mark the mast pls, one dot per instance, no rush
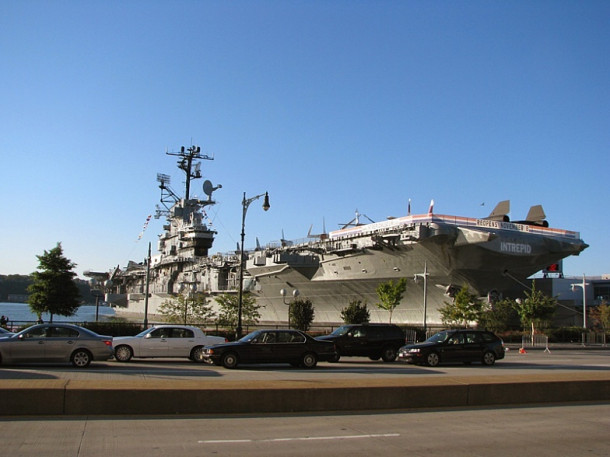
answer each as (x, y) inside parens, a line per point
(186, 165)
(192, 170)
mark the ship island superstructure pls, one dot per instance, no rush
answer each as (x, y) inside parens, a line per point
(438, 254)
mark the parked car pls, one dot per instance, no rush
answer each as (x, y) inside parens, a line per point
(272, 346)
(50, 343)
(165, 341)
(463, 345)
(367, 340)
(4, 332)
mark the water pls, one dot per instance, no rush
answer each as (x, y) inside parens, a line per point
(20, 313)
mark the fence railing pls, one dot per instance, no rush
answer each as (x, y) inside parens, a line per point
(536, 340)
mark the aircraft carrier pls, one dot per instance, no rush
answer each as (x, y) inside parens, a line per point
(437, 253)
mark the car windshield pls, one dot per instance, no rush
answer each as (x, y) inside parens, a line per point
(438, 337)
(341, 330)
(145, 332)
(250, 336)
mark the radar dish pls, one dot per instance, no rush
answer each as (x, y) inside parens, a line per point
(208, 188)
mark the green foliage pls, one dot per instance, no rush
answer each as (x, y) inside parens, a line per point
(228, 305)
(301, 314)
(601, 316)
(53, 289)
(390, 294)
(497, 317)
(115, 328)
(181, 310)
(356, 313)
(13, 285)
(465, 308)
(536, 309)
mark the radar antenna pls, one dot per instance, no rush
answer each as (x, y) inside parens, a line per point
(168, 196)
(187, 156)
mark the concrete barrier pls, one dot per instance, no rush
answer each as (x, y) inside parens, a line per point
(67, 397)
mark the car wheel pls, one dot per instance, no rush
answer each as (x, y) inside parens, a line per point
(489, 358)
(309, 360)
(197, 354)
(81, 358)
(229, 360)
(123, 353)
(389, 354)
(432, 359)
(335, 358)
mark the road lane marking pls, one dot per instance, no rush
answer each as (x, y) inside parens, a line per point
(303, 438)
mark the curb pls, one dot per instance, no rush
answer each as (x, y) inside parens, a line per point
(75, 398)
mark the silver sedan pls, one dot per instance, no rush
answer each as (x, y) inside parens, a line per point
(55, 343)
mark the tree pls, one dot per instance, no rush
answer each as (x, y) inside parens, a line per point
(301, 314)
(390, 294)
(536, 309)
(187, 310)
(601, 316)
(228, 305)
(53, 289)
(497, 316)
(356, 313)
(465, 308)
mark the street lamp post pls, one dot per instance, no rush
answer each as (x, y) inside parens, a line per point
(424, 275)
(583, 285)
(295, 294)
(245, 204)
(147, 288)
(96, 293)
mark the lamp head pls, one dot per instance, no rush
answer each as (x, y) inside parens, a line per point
(266, 204)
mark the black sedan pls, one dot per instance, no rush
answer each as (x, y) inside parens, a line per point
(272, 346)
(463, 345)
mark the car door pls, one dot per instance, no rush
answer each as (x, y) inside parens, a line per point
(289, 347)
(180, 341)
(29, 346)
(261, 349)
(155, 343)
(60, 343)
(355, 342)
(453, 351)
(473, 346)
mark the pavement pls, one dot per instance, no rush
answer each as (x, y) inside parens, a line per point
(105, 393)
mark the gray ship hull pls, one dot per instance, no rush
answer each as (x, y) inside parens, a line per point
(493, 260)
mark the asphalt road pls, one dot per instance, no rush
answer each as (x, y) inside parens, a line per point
(574, 430)
(533, 362)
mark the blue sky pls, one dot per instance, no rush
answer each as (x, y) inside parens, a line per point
(330, 106)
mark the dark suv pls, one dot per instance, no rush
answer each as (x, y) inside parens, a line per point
(458, 345)
(369, 340)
